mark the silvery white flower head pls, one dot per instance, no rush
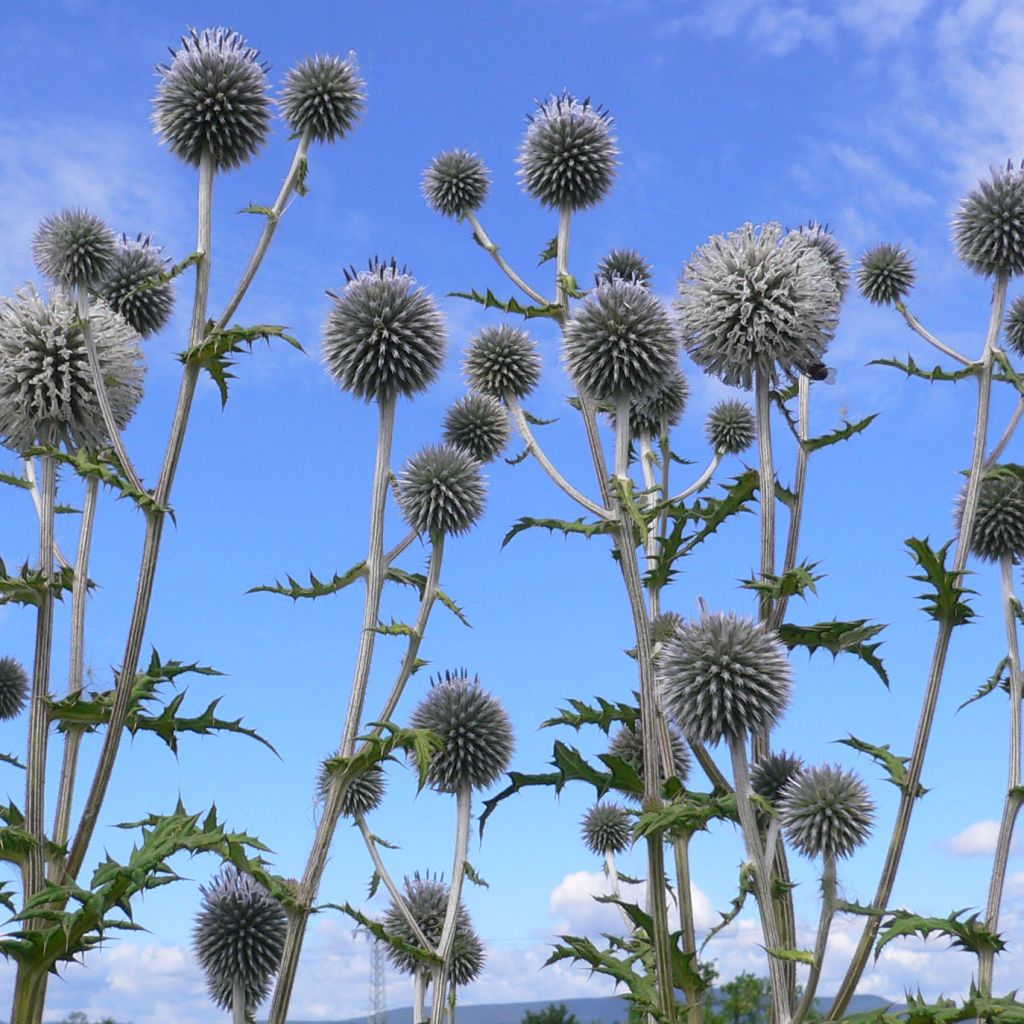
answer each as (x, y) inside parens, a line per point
(323, 95)
(730, 427)
(757, 300)
(1014, 326)
(606, 828)
(569, 154)
(479, 425)
(441, 491)
(474, 727)
(826, 811)
(14, 684)
(384, 335)
(625, 264)
(824, 243)
(622, 341)
(212, 97)
(455, 183)
(989, 225)
(886, 274)
(999, 519)
(628, 743)
(46, 387)
(427, 900)
(502, 361)
(133, 287)
(364, 793)
(239, 935)
(73, 249)
(723, 676)
(653, 412)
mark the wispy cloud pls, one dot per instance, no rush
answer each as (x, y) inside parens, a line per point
(978, 838)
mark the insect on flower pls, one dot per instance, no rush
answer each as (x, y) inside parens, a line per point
(819, 372)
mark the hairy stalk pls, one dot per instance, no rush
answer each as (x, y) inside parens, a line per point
(915, 325)
(908, 794)
(828, 909)
(1008, 433)
(485, 241)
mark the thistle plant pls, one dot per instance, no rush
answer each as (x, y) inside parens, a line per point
(478, 425)
(134, 285)
(14, 683)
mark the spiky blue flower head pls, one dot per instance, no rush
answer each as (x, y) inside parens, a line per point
(132, 285)
(455, 183)
(606, 828)
(826, 811)
(771, 775)
(13, 688)
(474, 727)
(364, 793)
(384, 335)
(239, 935)
(427, 900)
(988, 227)
(652, 413)
(569, 154)
(46, 387)
(999, 519)
(626, 265)
(212, 97)
(730, 426)
(441, 490)
(73, 248)
(1014, 326)
(824, 242)
(478, 424)
(502, 361)
(886, 274)
(628, 743)
(757, 300)
(723, 676)
(323, 95)
(621, 341)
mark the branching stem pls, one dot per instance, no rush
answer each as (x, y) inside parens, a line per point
(915, 325)
(828, 909)
(484, 239)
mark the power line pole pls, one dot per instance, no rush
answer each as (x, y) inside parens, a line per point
(378, 995)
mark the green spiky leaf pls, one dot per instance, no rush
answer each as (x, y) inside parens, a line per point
(844, 433)
(490, 301)
(577, 526)
(946, 601)
(964, 933)
(894, 765)
(792, 583)
(849, 637)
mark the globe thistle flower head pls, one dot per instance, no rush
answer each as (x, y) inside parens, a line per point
(212, 98)
(132, 285)
(653, 412)
(625, 265)
(384, 335)
(46, 387)
(826, 811)
(364, 793)
(479, 425)
(824, 242)
(730, 427)
(474, 727)
(455, 183)
(628, 743)
(502, 361)
(239, 935)
(606, 828)
(999, 519)
(621, 341)
(723, 676)
(323, 95)
(770, 776)
(886, 274)
(1014, 326)
(665, 626)
(569, 154)
(757, 300)
(73, 249)
(13, 688)
(441, 490)
(988, 227)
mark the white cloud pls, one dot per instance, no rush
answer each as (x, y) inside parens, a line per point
(978, 838)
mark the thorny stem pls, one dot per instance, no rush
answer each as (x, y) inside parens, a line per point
(915, 325)
(1008, 433)
(485, 241)
(908, 794)
(828, 909)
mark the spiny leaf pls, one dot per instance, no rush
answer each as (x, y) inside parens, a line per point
(380, 745)
(968, 934)
(30, 585)
(895, 766)
(798, 956)
(1000, 678)
(605, 715)
(11, 759)
(911, 369)
(473, 876)
(264, 211)
(746, 888)
(16, 481)
(850, 637)
(301, 173)
(419, 581)
(395, 628)
(812, 444)
(491, 301)
(379, 932)
(316, 588)
(947, 603)
(549, 252)
(577, 526)
(792, 583)
(686, 814)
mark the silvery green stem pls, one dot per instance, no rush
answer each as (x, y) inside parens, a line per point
(771, 841)
(710, 769)
(523, 426)
(684, 895)
(828, 909)
(1008, 433)
(237, 1002)
(915, 325)
(391, 555)
(30, 474)
(766, 485)
(483, 238)
(908, 794)
(700, 483)
(651, 498)
(419, 997)
(562, 258)
(1011, 806)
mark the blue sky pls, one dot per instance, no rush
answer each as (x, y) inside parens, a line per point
(869, 115)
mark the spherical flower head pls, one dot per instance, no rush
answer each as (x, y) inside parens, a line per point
(665, 626)
(621, 342)
(479, 425)
(427, 900)
(324, 96)
(475, 729)
(730, 427)
(569, 154)
(823, 241)
(502, 361)
(606, 828)
(999, 519)
(723, 676)
(46, 387)
(653, 412)
(384, 335)
(239, 935)
(13, 688)
(212, 98)
(73, 248)
(757, 300)
(625, 265)
(364, 793)
(455, 183)
(988, 227)
(628, 743)
(1014, 326)
(441, 491)
(886, 274)
(770, 776)
(132, 286)
(826, 811)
